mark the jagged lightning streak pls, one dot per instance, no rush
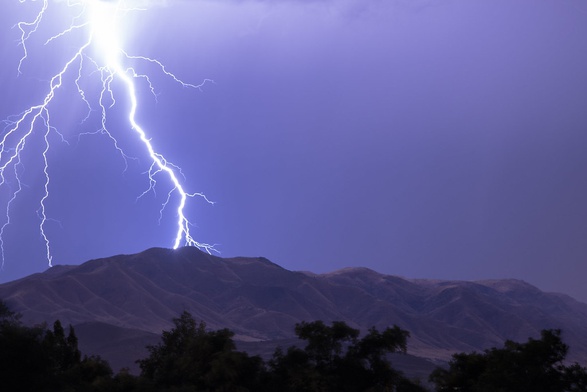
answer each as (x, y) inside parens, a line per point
(101, 19)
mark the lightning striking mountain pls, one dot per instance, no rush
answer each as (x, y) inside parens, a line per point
(95, 27)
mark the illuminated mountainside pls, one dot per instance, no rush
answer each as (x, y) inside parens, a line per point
(120, 303)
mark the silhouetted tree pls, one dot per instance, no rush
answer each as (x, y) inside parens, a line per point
(7, 315)
(190, 357)
(334, 359)
(325, 343)
(24, 364)
(39, 359)
(534, 366)
(62, 351)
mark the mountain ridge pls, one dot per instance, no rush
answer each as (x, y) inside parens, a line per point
(261, 301)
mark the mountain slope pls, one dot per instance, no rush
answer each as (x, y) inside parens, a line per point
(126, 299)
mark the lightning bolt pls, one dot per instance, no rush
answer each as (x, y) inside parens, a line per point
(99, 53)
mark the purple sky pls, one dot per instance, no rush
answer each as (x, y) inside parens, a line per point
(427, 139)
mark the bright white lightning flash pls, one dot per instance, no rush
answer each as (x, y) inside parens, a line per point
(101, 51)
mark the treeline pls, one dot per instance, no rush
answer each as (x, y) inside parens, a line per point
(192, 358)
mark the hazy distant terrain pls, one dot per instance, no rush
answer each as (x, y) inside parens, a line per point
(121, 303)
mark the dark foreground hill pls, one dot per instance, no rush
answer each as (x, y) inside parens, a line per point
(120, 304)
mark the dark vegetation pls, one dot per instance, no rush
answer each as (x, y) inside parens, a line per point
(41, 359)
(535, 366)
(191, 358)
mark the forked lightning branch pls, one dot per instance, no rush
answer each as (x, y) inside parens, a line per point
(98, 23)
